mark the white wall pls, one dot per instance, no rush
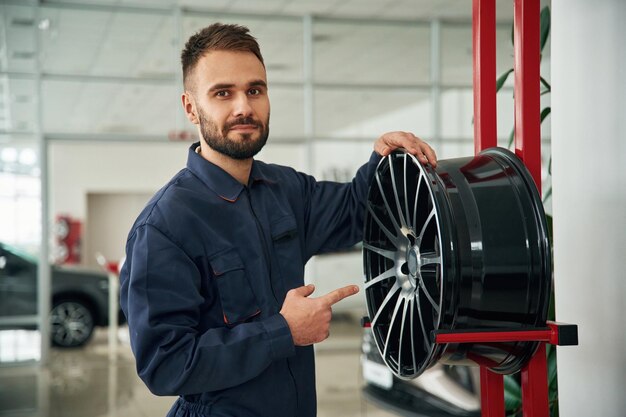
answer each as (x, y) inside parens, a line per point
(77, 169)
(589, 178)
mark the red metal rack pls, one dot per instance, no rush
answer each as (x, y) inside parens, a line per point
(534, 373)
(528, 147)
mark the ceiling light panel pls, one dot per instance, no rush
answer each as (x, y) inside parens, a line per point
(18, 52)
(134, 3)
(110, 43)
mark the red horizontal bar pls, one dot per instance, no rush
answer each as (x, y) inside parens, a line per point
(544, 335)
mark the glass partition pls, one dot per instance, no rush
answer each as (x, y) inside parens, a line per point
(20, 236)
(281, 41)
(371, 53)
(456, 53)
(102, 107)
(368, 112)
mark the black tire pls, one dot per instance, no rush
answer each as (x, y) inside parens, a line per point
(71, 323)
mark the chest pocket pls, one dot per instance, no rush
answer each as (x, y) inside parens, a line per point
(238, 300)
(284, 233)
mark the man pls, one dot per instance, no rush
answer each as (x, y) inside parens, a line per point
(213, 282)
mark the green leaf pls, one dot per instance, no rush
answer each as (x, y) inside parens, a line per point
(554, 411)
(545, 112)
(550, 165)
(545, 26)
(552, 368)
(551, 308)
(511, 138)
(512, 393)
(546, 195)
(545, 83)
(502, 79)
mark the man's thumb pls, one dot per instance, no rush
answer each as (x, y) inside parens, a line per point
(305, 290)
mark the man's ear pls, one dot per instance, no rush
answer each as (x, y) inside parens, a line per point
(189, 106)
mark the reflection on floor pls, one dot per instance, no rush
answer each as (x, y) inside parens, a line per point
(85, 383)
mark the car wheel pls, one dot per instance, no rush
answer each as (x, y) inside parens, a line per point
(71, 323)
(462, 247)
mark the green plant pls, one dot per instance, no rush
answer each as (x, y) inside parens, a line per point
(546, 88)
(512, 387)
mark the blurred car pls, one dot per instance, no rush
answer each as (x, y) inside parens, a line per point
(441, 391)
(79, 297)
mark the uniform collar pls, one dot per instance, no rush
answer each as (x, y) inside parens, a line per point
(219, 181)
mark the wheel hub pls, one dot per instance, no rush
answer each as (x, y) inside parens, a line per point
(412, 259)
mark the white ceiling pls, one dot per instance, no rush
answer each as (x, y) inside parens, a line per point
(372, 9)
(86, 41)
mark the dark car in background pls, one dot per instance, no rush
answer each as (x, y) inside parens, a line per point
(79, 297)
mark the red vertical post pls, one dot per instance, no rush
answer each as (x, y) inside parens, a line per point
(535, 385)
(527, 88)
(484, 61)
(491, 393)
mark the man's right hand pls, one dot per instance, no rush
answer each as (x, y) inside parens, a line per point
(309, 318)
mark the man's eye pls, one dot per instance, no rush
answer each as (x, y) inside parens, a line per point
(254, 91)
(222, 94)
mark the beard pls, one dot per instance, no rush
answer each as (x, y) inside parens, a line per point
(245, 148)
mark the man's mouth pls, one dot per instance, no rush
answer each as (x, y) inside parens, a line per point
(243, 125)
(244, 128)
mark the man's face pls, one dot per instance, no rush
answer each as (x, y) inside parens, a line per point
(231, 102)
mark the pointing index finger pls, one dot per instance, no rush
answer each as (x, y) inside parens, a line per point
(339, 294)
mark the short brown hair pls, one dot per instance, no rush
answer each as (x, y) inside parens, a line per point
(217, 37)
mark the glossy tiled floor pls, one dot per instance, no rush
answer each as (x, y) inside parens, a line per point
(86, 383)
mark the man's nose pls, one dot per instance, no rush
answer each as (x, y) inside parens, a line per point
(241, 106)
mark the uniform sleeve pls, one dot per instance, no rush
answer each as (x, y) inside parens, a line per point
(334, 212)
(160, 296)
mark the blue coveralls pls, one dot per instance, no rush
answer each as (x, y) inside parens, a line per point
(208, 264)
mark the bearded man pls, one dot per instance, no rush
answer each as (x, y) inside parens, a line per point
(213, 283)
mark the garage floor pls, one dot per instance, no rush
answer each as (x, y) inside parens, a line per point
(84, 383)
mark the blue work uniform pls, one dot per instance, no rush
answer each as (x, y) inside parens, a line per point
(208, 264)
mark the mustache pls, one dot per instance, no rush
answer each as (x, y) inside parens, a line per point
(243, 121)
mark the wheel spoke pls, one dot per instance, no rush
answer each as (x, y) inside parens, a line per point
(389, 296)
(392, 238)
(417, 195)
(390, 273)
(383, 252)
(429, 258)
(404, 307)
(427, 294)
(406, 196)
(387, 206)
(419, 313)
(412, 306)
(431, 215)
(392, 174)
(391, 323)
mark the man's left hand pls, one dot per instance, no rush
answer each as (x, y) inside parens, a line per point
(391, 141)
